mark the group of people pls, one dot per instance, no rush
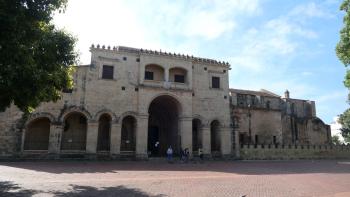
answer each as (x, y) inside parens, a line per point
(184, 154)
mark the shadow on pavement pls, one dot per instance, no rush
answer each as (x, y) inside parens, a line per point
(9, 189)
(237, 167)
(104, 191)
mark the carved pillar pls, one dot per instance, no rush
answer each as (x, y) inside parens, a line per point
(115, 138)
(206, 140)
(91, 136)
(142, 136)
(55, 136)
(186, 133)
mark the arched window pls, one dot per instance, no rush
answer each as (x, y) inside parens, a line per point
(154, 72)
(178, 75)
(104, 133)
(128, 142)
(215, 137)
(37, 135)
(74, 132)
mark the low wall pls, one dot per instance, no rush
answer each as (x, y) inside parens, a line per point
(261, 152)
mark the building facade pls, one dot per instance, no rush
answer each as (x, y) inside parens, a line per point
(136, 102)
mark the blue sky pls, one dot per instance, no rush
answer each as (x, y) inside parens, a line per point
(270, 44)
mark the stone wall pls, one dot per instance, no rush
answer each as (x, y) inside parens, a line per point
(129, 94)
(260, 152)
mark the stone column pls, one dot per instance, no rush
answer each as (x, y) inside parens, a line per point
(56, 130)
(206, 140)
(225, 138)
(115, 138)
(91, 136)
(166, 75)
(186, 133)
(142, 136)
(237, 144)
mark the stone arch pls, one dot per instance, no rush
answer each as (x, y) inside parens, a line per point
(178, 71)
(215, 140)
(201, 118)
(104, 132)
(157, 70)
(127, 113)
(75, 130)
(128, 133)
(197, 131)
(163, 124)
(34, 116)
(37, 133)
(176, 99)
(112, 115)
(75, 109)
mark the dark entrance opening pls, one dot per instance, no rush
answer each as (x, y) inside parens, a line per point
(215, 138)
(163, 126)
(74, 132)
(104, 133)
(196, 135)
(128, 134)
(37, 135)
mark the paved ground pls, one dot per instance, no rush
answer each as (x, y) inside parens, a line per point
(158, 178)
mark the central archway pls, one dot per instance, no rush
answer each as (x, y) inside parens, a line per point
(163, 125)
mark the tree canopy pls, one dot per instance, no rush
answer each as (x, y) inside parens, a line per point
(35, 57)
(343, 53)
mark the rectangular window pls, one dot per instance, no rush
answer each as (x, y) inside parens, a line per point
(179, 78)
(215, 82)
(274, 140)
(107, 72)
(148, 75)
(256, 139)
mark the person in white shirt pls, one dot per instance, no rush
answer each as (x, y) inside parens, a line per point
(169, 153)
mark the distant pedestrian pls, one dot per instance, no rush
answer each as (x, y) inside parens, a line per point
(182, 155)
(200, 154)
(169, 153)
(186, 154)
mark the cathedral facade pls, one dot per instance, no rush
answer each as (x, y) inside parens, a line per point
(136, 103)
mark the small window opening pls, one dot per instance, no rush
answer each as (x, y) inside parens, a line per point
(179, 78)
(215, 82)
(148, 75)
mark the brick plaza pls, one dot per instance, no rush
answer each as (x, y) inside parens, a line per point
(159, 178)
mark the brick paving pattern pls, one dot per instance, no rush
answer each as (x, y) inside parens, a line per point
(158, 178)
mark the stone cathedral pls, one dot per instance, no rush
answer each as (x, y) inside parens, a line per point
(127, 100)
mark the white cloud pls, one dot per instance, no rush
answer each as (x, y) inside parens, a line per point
(151, 24)
(311, 9)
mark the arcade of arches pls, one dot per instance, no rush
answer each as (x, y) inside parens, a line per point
(165, 128)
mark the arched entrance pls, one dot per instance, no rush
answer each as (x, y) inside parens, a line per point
(104, 133)
(37, 135)
(163, 125)
(128, 134)
(196, 134)
(215, 138)
(74, 132)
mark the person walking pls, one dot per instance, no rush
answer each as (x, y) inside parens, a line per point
(169, 153)
(200, 154)
(187, 155)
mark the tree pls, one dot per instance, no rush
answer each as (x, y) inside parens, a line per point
(343, 53)
(35, 57)
(344, 120)
(335, 140)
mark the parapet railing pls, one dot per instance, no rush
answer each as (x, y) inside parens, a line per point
(295, 146)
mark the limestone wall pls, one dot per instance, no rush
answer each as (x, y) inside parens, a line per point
(260, 152)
